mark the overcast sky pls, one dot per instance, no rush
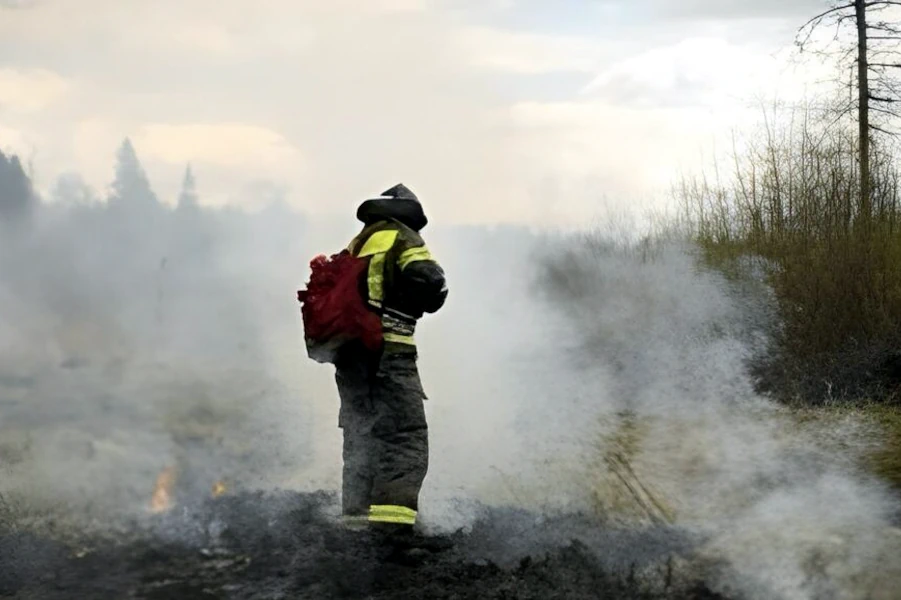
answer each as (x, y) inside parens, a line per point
(533, 111)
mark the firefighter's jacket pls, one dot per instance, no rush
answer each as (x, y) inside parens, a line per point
(403, 280)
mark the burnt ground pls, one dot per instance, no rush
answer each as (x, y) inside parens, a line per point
(288, 545)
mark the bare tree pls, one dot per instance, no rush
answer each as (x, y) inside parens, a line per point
(874, 52)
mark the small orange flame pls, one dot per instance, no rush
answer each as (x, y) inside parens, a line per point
(219, 489)
(161, 500)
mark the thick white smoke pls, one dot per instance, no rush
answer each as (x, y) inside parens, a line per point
(633, 397)
(562, 375)
(135, 338)
(576, 374)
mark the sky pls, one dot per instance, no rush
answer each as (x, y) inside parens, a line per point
(547, 112)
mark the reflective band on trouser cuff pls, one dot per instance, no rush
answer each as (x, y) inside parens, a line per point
(399, 339)
(390, 513)
(413, 255)
(355, 521)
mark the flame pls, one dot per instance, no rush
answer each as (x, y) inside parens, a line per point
(219, 489)
(161, 500)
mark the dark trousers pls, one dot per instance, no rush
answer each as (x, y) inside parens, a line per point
(386, 451)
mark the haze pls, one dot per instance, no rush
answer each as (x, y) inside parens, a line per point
(137, 338)
(522, 111)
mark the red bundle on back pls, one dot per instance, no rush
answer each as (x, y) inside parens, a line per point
(333, 309)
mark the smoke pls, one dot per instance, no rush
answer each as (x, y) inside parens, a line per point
(564, 375)
(136, 337)
(661, 346)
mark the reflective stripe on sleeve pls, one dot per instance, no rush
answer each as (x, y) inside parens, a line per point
(413, 255)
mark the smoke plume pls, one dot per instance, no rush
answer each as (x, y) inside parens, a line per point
(565, 375)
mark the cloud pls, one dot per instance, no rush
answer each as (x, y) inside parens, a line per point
(399, 5)
(529, 53)
(692, 72)
(17, 4)
(704, 72)
(30, 90)
(626, 148)
(736, 9)
(12, 140)
(334, 101)
(226, 38)
(61, 16)
(221, 144)
(205, 37)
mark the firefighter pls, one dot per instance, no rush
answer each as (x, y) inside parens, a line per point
(382, 416)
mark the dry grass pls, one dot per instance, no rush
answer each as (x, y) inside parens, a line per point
(620, 492)
(791, 196)
(887, 460)
(880, 450)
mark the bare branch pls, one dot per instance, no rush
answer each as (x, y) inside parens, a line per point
(844, 112)
(889, 85)
(881, 130)
(825, 14)
(879, 53)
(886, 111)
(878, 99)
(882, 26)
(814, 22)
(848, 109)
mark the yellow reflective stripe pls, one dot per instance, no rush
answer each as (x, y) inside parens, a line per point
(354, 520)
(399, 339)
(413, 255)
(376, 246)
(378, 243)
(376, 280)
(389, 519)
(390, 513)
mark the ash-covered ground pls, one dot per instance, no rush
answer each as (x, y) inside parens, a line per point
(289, 545)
